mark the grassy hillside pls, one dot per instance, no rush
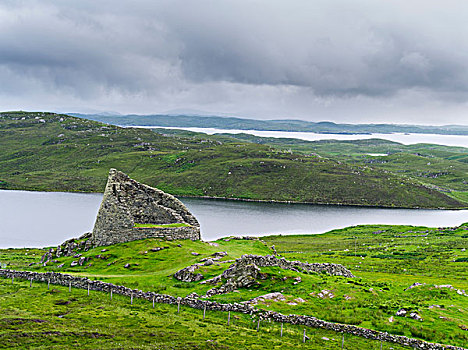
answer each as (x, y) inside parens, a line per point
(386, 260)
(42, 151)
(442, 167)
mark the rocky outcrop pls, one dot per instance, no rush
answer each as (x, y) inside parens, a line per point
(188, 274)
(236, 278)
(127, 202)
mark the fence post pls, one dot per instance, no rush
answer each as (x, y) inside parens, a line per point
(258, 324)
(69, 286)
(12, 279)
(30, 283)
(131, 299)
(342, 342)
(88, 288)
(111, 293)
(204, 311)
(178, 305)
(304, 337)
(153, 301)
(48, 284)
(281, 330)
(229, 317)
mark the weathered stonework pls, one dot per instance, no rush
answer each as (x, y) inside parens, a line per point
(127, 202)
(298, 266)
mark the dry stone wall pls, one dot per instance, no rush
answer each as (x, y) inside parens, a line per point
(194, 302)
(127, 202)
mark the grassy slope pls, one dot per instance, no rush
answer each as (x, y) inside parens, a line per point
(56, 319)
(385, 265)
(61, 153)
(444, 167)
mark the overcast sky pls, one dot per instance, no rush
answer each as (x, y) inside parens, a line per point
(340, 60)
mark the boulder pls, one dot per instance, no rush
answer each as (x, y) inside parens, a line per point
(188, 274)
(401, 312)
(415, 316)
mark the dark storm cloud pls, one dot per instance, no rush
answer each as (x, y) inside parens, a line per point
(244, 57)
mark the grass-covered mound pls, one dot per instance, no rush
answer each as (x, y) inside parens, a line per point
(146, 264)
(386, 260)
(51, 152)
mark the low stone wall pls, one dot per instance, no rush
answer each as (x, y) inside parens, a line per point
(194, 302)
(273, 261)
(169, 233)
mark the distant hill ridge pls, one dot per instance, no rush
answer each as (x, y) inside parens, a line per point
(57, 152)
(324, 127)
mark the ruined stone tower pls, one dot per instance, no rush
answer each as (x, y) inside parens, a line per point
(131, 210)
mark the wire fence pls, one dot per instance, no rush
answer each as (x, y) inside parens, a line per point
(307, 337)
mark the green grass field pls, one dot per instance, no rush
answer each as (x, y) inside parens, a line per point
(38, 318)
(385, 259)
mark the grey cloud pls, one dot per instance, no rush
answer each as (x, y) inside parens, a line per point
(243, 57)
(348, 55)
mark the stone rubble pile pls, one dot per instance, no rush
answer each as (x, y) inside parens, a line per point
(68, 248)
(244, 272)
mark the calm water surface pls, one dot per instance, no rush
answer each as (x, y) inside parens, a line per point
(36, 219)
(406, 139)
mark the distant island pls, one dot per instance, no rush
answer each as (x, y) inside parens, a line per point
(323, 127)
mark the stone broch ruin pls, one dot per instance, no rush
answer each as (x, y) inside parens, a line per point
(127, 204)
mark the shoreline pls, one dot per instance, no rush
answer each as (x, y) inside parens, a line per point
(273, 201)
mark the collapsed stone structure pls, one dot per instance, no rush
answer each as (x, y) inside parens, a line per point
(245, 270)
(127, 203)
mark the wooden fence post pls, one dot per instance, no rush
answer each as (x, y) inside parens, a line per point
(153, 301)
(30, 283)
(258, 324)
(178, 305)
(131, 299)
(281, 330)
(229, 317)
(304, 337)
(69, 286)
(204, 311)
(48, 284)
(88, 288)
(111, 294)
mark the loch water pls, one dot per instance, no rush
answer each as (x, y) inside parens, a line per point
(38, 219)
(404, 138)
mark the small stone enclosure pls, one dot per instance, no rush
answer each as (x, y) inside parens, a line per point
(128, 203)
